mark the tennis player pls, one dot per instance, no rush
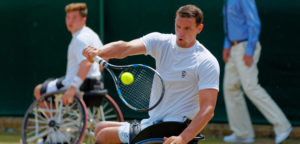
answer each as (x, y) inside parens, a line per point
(78, 68)
(190, 72)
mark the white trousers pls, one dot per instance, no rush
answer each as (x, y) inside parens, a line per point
(238, 75)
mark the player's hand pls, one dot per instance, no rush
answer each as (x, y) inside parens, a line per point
(226, 54)
(90, 52)
(248, 60)
(174, 140)
(67, 98)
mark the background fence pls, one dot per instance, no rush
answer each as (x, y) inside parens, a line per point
(34, 42)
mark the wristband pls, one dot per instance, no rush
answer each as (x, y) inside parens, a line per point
(76, 82)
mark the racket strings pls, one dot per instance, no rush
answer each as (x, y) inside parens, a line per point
(138, 93)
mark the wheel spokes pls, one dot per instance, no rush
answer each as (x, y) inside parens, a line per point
(50, 121)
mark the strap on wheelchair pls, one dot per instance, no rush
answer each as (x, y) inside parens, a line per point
(187, 121)
(135, 128)
(58, 84)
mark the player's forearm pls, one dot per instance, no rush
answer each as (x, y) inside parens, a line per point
(198, 124)
(84, 68)
(207, 103)
(122, 49)
(113, 50)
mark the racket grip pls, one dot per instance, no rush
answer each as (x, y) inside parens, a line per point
(98, 59)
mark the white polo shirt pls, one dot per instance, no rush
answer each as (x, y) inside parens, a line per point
(185, 71)
(81, 39)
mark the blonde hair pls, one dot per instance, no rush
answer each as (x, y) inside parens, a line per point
(191, 11)
(81, 7)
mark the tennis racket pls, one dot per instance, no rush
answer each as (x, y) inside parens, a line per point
(144, 93)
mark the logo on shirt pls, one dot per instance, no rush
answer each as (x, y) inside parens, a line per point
(183, 74)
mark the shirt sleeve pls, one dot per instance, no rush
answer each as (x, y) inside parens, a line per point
(209, 73)
(253, 22)
(80, 45)
(152, 43)
(227, 44)
(97, 43)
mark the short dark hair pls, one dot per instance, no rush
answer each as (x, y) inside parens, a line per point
(81, 7)
(190, 11)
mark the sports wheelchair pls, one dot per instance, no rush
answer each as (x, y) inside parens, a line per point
(154, 134)
(48, 121)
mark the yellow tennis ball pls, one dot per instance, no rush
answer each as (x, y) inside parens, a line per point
(127, 78)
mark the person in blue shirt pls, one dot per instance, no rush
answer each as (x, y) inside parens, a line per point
(241, 54)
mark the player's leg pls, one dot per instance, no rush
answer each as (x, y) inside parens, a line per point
(108, 135)
(37, 93)
(104, 124)
(48, 86)
(261, 99)
(112, 132)
(236, 108)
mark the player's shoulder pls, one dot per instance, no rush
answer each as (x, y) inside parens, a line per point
(86, 35)
(159, 36)
(205, 56)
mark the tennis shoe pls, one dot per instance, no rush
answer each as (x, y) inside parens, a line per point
(232, 139)
(282, 136)
(40, 141)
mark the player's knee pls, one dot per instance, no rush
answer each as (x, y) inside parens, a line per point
(101, 125)
(250, 88)
(37, 90)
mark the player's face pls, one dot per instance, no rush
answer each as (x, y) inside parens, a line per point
(186, 31)
(74, 21)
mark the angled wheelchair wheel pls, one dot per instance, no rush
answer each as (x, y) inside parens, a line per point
(47, 120)
(161, 140)
(103, 108)
(152, 141)
(154, 134)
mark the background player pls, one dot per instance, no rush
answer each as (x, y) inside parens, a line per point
(78, 68)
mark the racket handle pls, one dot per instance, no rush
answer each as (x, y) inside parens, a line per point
(98, 59)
